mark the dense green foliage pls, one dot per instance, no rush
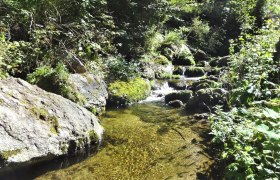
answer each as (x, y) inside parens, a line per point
(250, 130)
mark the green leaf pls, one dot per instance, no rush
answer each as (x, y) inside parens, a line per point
(269, 113)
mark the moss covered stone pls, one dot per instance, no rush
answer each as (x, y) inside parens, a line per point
(184, 57)
(124, 93)
(194, 72)
(42, 114)
(166, 75)
(93, 136)
(161, 60)
(183, 96)
(5, 155)
(56, 81)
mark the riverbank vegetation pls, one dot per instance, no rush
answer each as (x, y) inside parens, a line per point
(122, 41)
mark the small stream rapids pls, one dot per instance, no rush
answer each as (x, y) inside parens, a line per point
(162, 88)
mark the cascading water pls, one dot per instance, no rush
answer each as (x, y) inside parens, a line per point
(161, 89)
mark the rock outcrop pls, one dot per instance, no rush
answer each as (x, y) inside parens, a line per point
(36, 125)
(183, 96)
(205, 100)
(93, 89)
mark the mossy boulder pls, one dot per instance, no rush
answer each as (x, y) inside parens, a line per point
(123, 93)
(177, 84)
(203, 84)
(204, 100)
(199, 55)
(39, 126)
(183, 57)
(214, 71)
(167, 76)
(161, 60)
(179, 70)
(194, 72)
(183, 96)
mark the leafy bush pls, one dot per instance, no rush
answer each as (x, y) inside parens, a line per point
(253, 65)
(56, 81)
(251, 142)
(119, 68)
(250, 132)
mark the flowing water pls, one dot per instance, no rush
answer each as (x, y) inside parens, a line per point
(145, 141)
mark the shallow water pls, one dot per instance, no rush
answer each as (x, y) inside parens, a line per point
(144, 141)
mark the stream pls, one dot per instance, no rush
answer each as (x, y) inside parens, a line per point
(145, 141)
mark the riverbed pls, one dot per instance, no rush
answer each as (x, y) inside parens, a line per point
(145, 141)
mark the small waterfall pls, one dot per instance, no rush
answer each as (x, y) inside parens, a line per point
(184, 70)
(159, 93)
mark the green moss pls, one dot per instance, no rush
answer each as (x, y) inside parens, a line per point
(64, 149)
(184, 57)
(123, 93)
(93, 136)
(167, 76)
(5, 155)
(274, 104)
(194, 71)
(80, 142)
(72, 94)
(161, 60)
(42, 114)
(1, 101)
(93, 110)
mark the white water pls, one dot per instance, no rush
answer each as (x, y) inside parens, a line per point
(159, 93)
(162, 89)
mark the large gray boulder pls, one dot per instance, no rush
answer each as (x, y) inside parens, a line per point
(93, 89)
(36, 125)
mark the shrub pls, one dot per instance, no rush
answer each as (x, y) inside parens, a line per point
(119, 68)
(56, 81)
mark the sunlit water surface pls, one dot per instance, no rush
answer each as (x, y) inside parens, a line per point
(144, 141)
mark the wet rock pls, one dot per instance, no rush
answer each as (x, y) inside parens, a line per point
(183, 96)
(176, 103)
(148, 73)
(205, 99)
(93, 88)
(179, 70)
(36, 125)
(163, 71)
(177, 84)
(194, 72)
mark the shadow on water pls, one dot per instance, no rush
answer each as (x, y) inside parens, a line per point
(31, 171)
